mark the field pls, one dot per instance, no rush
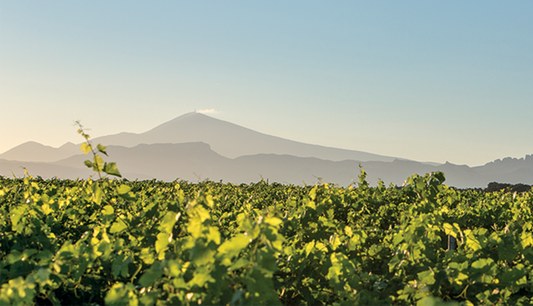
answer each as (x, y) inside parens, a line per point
(117, 242)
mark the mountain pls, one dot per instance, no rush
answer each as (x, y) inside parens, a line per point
(13, 168)
(196, 147)
(227, 139)
(34, 151)
(165, 162)
(197, 161)
(509, 170)
(231, 140)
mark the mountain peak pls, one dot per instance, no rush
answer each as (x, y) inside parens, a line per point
(227, 139)
(231, 140)
(35, 152)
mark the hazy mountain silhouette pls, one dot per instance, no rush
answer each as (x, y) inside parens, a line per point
(14, 168)
(34, 151)
(509, 170)
(196, 162)
(227, 139)
(231, 140)
(196, 147)
(161, 161)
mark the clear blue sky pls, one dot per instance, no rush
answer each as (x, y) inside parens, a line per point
(425, 80)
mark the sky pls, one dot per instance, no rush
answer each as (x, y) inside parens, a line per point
(423, 80)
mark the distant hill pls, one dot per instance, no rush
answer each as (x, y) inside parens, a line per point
(195, 147)
(197, 162)
(161, 161)
(34, 151)
(231, 140)
(11, 168)
(509, 170)
(225, 138)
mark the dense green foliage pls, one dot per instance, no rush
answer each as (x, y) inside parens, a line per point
(117, 242)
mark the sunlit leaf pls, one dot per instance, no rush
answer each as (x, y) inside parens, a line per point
(85, 148)
(118, 226)
(151, 275)
(111, 169)
(233, 246)
(102, 149)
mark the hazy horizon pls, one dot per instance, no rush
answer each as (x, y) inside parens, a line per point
(431, 81)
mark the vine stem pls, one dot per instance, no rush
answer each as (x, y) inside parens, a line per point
(88, 142)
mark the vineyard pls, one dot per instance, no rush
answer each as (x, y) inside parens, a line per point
(119, 242)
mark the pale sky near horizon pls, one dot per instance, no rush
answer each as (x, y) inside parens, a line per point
(429, 81)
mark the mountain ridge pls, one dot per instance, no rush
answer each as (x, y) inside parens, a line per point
(35, 152)
(196, 161)
(196, 146)
(232, 140)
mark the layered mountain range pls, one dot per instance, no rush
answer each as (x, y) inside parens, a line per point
(197, 147)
